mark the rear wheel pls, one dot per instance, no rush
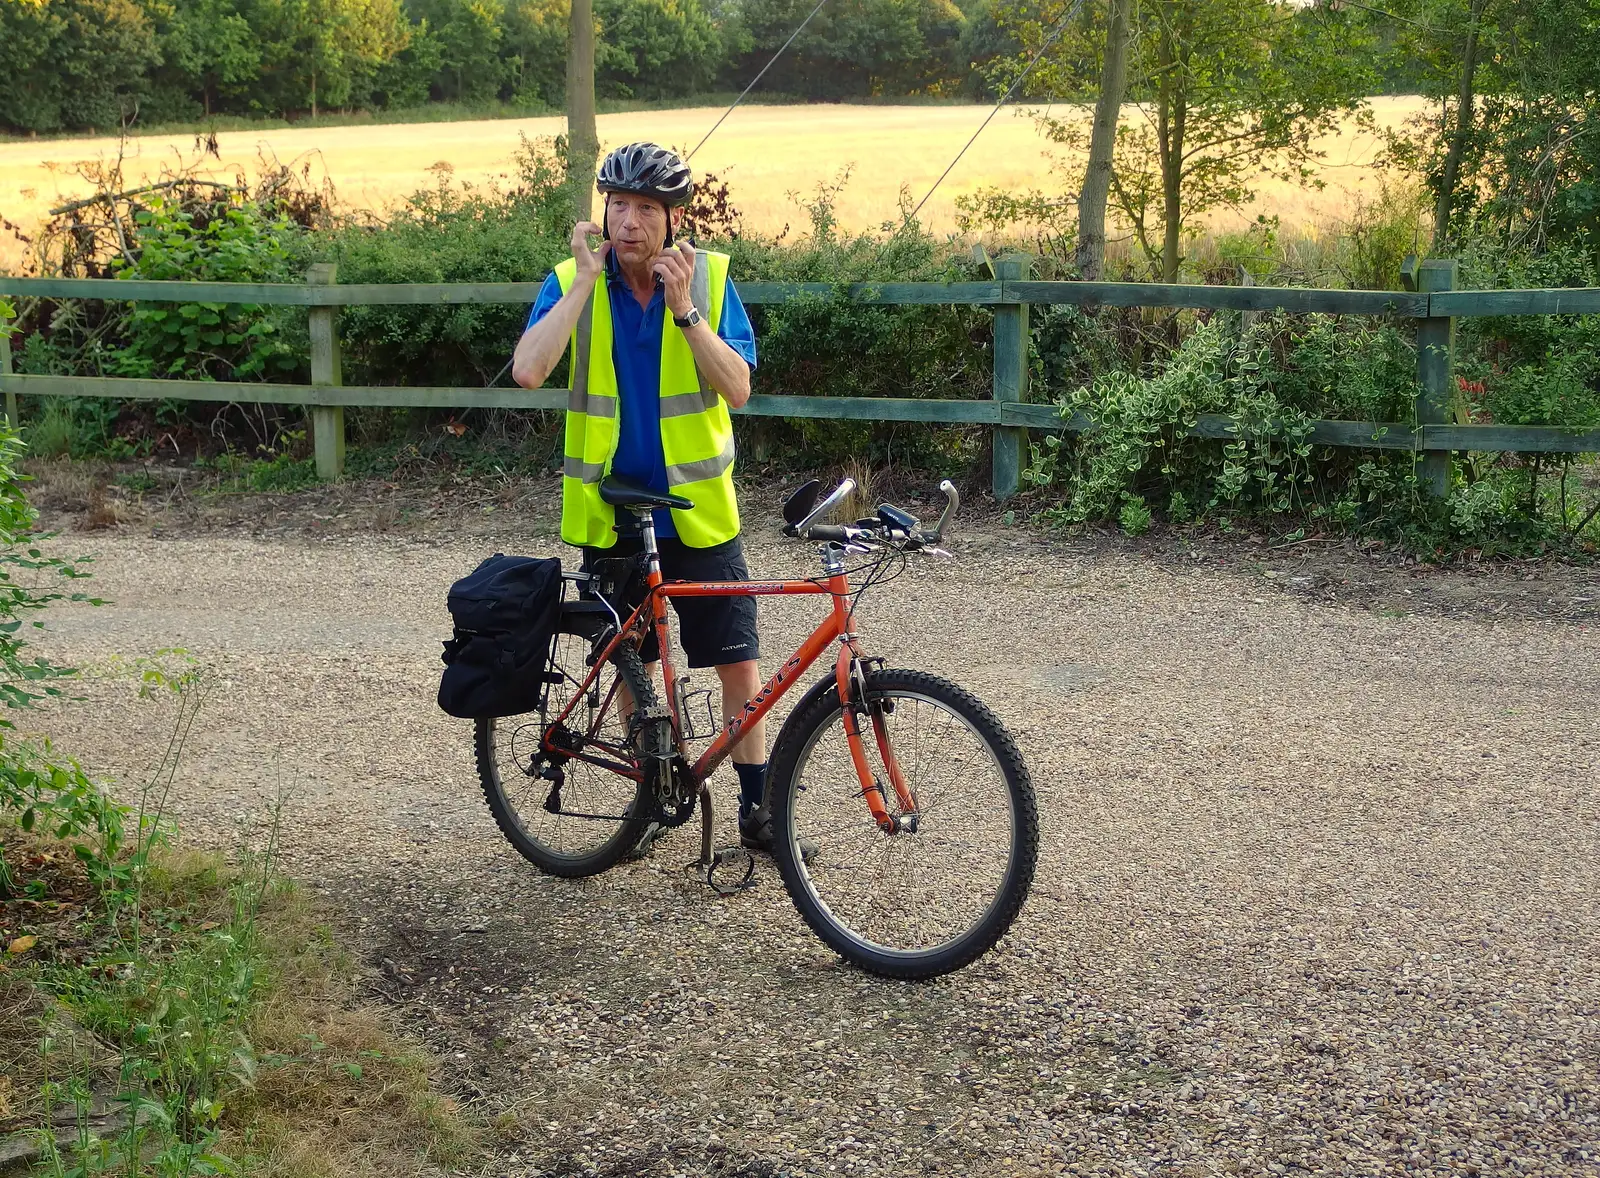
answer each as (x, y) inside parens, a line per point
(939, 892)
(566, 813)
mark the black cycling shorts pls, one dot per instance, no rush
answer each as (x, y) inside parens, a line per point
(714, 630)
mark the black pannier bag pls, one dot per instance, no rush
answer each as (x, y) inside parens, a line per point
(505, 614)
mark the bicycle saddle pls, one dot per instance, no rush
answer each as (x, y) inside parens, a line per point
(620, 492)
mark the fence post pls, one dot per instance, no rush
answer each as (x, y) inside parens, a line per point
(327, 421)
(5, 370)
(1010, 375)
(1436, 339)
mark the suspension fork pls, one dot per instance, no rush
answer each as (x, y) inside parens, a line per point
(850, 674)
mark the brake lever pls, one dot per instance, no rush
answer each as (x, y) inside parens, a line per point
(926, 543)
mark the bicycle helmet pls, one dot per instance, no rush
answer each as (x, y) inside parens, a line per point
(647, 169)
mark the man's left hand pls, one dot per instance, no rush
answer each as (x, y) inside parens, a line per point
(675, 265)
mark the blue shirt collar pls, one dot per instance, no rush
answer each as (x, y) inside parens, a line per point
(614, 278)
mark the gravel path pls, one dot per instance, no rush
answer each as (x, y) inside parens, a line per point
(1317, 888)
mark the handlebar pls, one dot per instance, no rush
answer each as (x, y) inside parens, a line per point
(891, 525)
(827, 505)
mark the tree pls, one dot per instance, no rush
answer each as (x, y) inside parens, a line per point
(466, 35)
(1097, 172)
(407, 78)
(535, 48)
(211, 48)
(855, 47)
(73, 64)
(1510, 147)
(984, 44)
(318, 53)
(1463, 128)
(583, 138)
(1227, 91)
(656, 48)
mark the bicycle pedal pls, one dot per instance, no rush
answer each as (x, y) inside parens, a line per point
(722, 875)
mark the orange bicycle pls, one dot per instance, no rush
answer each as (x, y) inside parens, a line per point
(906, 829)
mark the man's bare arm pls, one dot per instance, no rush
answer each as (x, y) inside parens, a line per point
(725, 370)
(540, 348)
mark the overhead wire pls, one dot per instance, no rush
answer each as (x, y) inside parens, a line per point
(770, 63)
(1016, 83)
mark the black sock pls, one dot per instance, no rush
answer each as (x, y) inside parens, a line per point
(752, 786)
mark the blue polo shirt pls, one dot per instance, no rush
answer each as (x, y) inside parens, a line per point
(636, 352)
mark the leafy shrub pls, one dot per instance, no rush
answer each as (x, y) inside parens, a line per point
(277, 472)
(1139, 441)
(450, 233)
(33, 785)
(206, 341)
(1532, 369)
(833, 345)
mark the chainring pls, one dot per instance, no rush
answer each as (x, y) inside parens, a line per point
(675, 802)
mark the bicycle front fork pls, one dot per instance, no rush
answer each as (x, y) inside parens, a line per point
(856, 703)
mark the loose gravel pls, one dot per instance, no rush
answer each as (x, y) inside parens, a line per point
(1317, 889)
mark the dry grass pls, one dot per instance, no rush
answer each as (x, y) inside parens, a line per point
(765, 153)
(349, 1097)
(864, 499)
(337, 1092)
(22, 1069)
(82, 491)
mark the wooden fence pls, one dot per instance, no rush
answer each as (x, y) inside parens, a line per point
(1430, 298)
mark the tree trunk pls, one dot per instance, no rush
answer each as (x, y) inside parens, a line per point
(313, 93)
(1171, 115)
(1458, 140)
(1091, 252)
(583, 139)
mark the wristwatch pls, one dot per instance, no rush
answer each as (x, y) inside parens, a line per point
(692, 319)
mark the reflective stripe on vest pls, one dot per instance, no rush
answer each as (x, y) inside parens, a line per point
(696, 430)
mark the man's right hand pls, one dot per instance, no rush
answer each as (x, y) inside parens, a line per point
(590, 262)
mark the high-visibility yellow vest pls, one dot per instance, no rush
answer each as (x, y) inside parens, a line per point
(696, 431)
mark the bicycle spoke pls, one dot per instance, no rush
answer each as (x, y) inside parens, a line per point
(593, 797)
(919, 888)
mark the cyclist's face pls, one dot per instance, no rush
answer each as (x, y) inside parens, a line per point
(638, 226)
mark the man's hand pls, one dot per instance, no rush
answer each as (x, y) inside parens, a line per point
(676, 268)
(590, 262)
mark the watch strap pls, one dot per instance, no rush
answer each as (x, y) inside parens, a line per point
(689, 320)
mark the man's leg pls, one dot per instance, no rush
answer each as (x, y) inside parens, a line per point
(740, 682)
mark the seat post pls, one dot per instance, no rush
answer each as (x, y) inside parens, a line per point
(647, 538)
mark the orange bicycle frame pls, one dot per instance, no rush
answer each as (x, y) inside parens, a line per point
(838, 625)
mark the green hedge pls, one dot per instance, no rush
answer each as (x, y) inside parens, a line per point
(1143, 375)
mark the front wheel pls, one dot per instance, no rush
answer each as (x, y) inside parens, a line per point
(940, 891)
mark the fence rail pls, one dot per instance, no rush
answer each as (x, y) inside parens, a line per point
(1430, 298)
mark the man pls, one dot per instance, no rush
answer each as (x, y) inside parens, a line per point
(655, 411)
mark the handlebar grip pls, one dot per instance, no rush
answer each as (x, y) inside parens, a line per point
(826, 532)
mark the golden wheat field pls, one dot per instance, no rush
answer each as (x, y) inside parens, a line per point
(767, 154)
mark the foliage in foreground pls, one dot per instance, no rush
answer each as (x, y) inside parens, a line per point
(224, 1032)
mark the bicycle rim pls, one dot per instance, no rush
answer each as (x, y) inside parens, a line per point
(914, 895)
